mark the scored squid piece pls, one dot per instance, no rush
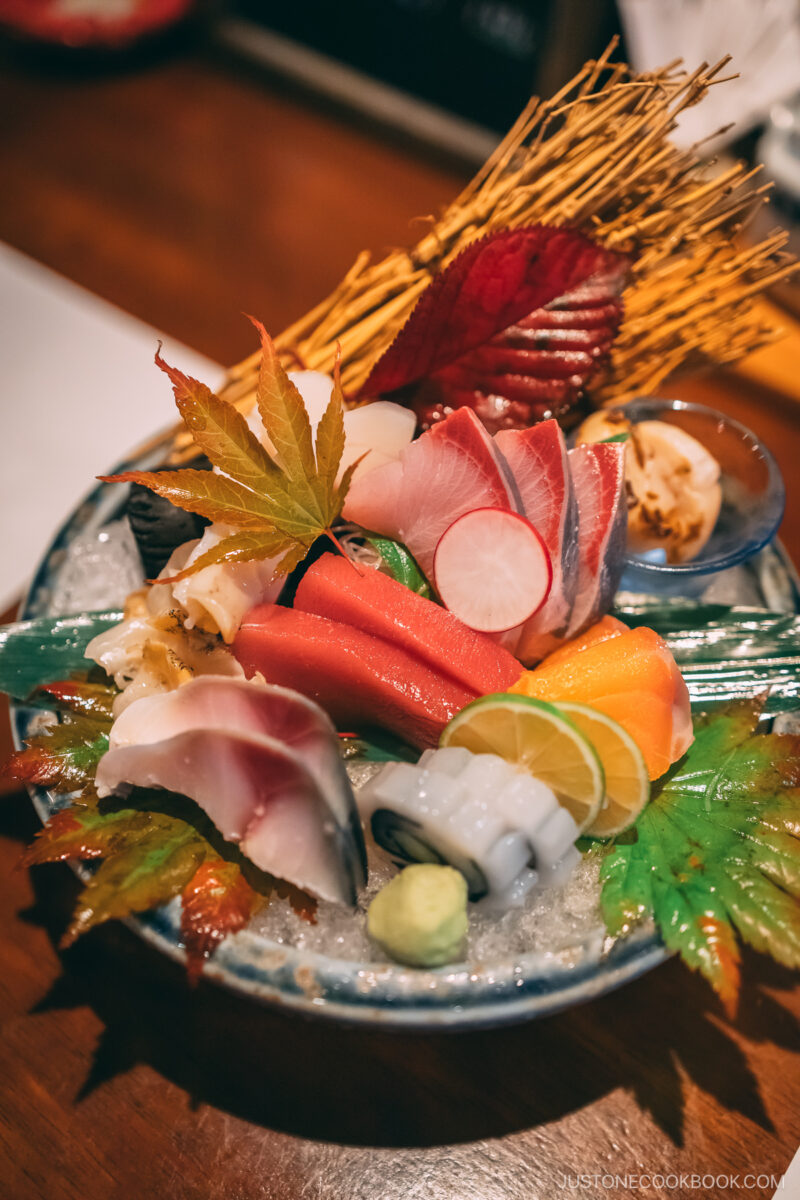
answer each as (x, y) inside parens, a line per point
(503, 829)
(262, 762)
(452, 469)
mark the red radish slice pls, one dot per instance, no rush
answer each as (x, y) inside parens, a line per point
(492, 569)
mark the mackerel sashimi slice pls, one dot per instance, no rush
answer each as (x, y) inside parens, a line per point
(598, 473)
(381, 607)
(452, 469)
(358, 679)
(537, 458)
(262, 763)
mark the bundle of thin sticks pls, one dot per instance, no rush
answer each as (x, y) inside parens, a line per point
(597, 157)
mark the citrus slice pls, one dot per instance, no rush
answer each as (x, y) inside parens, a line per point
(627, 782)
(539, 737)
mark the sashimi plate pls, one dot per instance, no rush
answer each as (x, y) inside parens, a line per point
(482, 991)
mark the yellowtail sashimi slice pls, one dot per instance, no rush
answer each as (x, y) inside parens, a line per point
(627, 781)
(540, 738)
(452, 469)
(537, 458)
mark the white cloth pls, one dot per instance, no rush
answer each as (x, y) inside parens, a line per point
(79, 390)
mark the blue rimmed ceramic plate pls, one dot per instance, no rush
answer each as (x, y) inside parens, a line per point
(378, 994)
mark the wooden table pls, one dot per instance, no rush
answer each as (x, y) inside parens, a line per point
(186, 193)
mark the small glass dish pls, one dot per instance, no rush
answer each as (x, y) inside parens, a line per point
(753, 497)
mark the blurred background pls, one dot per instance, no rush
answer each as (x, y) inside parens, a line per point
(167, 165)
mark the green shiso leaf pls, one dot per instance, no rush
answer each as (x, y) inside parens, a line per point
(727, 653)
(47, 648)
(401, 564)
(377, 745)
(717, 851)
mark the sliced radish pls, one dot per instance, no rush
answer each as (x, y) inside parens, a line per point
(492, 569)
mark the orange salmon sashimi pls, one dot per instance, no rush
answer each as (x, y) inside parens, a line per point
(630, 676)
(601, 631)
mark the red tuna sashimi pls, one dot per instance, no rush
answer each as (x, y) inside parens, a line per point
(598, 472)
(358, 679)
(452, 469)
(382, 607)
(538, 461)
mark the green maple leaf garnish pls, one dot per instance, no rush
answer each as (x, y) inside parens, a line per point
(279, 504)
(717, 851)
(64, 756)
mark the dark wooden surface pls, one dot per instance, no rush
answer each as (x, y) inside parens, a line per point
(187, 193)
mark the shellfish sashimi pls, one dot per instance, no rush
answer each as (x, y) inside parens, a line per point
(381, 607)
(452, 469)
(150, 651)
(262, 762)
(216, 598)
(537, 458)
(632, 678)
(358, 679)
(379, 431)
(598, 472)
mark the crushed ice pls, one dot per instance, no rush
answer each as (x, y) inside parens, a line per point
(100, 569)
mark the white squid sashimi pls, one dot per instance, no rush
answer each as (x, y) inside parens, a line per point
(501, 828)
(262, 762)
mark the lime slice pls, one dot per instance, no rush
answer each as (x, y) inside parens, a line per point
(540, 738)
(627, 781)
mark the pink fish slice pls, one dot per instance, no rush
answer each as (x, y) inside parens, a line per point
(452, 469)
(537, 458)
(598, 473)
(262, 762)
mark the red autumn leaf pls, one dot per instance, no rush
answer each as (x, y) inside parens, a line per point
(83, 833)
(63, 756)
(217, 901)
(80, 696)
(514, 327)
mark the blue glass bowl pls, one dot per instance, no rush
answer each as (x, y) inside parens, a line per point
(753, 497)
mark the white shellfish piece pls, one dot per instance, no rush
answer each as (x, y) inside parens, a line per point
(217, 598)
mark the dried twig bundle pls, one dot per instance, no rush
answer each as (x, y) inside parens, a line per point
(598, 157)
